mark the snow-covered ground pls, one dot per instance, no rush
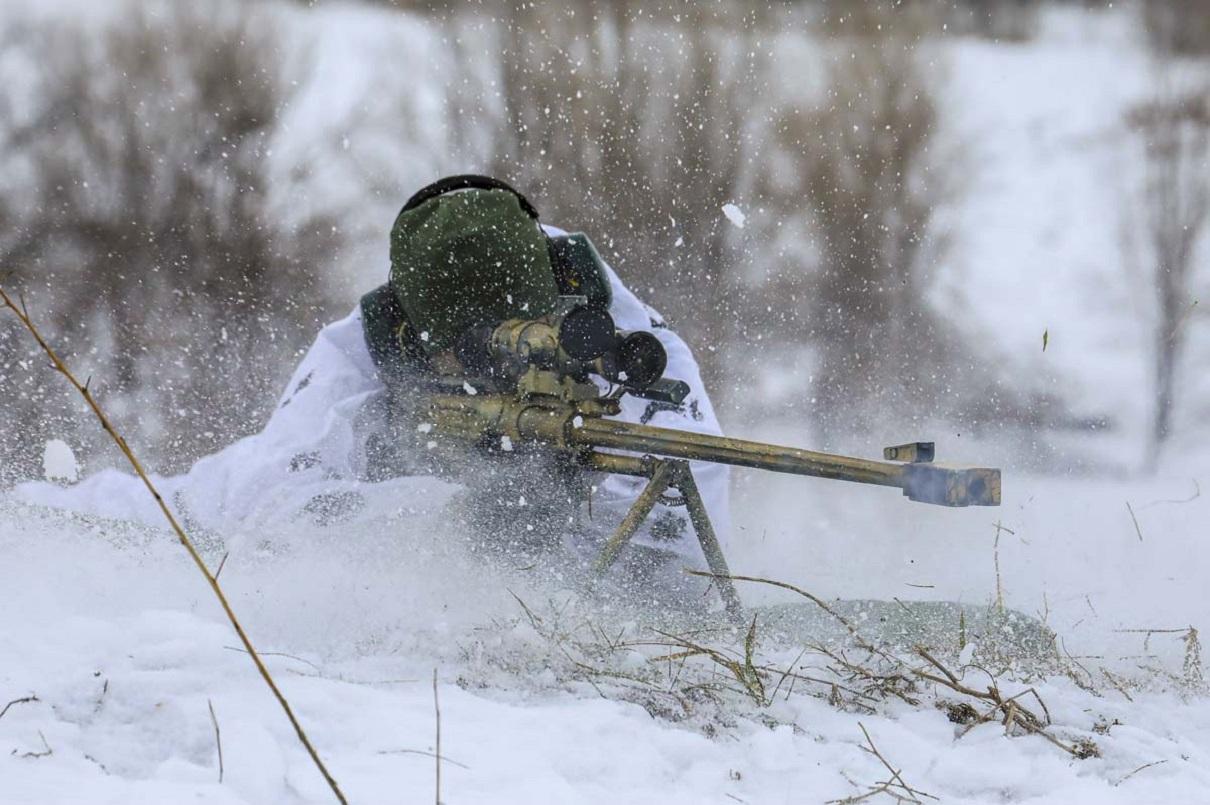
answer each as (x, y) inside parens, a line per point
(118, 638)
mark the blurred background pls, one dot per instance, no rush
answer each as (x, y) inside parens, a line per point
(980, 221)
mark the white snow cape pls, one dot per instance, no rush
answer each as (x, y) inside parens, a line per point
(312, 449)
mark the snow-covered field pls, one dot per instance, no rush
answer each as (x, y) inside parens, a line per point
(118, 638)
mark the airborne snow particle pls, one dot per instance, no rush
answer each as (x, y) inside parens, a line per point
(735, 215)
(469, 389)
(59, 462)
(506, 444)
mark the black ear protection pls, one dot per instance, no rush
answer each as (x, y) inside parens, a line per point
(466, 181)
(579, 269)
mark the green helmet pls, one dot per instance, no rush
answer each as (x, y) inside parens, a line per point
(461, 259)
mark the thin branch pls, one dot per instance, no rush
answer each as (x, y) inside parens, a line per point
(534, 620)
(437, 752)
(222, 562)
(100, 765)
(894, 786)
(1147, 633)
(788, 672)
(46, 752)
(446, 758)
(1013, 712)
(861, 641)
(1134, 520)
(61, 367)
(25, 700)
(1197, 493)
(218, 738)
(1118, 684)
(278, 654)
(1139, 769)
(996, 558)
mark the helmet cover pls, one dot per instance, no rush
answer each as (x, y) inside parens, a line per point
(468, 258)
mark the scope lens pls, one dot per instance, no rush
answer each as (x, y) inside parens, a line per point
(586, 334)
(642, 357)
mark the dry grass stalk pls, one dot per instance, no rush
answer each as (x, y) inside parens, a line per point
(23, 700)
(894, 786)
(819, 602)
(845, 682)
(422, 753)
(1013, 713)
(746, 673)
(1197, 493)
(875, 684)
(1139, 769)
(1193, 660)
(316, 668)
(832, 689)
(437, 748)
(1192, 678)
(996, 558)
(1134, 520)
(46, 750)
(1119, 684)
(23, 315)
(218, 738)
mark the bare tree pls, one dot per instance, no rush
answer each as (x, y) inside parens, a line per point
(868, 178)
(631, 123)
(1177, 27)
(639, 124)
(1171, 213)
(1006, 20)
(144, 223)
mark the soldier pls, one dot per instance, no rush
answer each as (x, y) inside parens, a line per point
(465, 251)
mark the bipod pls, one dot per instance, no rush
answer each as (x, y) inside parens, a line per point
(663, 474)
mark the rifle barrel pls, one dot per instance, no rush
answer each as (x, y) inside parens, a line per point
(923, 482)
(738, 452)
(469, 417)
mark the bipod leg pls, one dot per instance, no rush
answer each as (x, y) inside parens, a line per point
(685, 483)
(661, 477)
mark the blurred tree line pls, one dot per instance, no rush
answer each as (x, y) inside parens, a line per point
(135, 218)
(140, 215)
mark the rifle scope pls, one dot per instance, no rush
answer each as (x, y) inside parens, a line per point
(637, 360)
(583, 340)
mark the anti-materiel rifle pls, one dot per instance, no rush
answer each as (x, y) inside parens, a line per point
(528, 383)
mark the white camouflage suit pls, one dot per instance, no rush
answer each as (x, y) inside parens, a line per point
(313, 448)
